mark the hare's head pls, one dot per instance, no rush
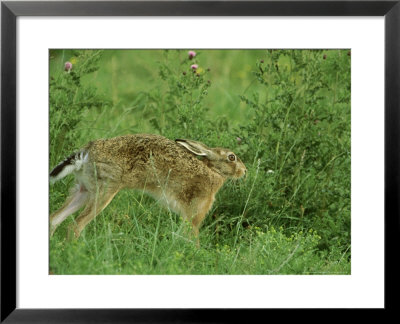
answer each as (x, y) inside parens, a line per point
(220, 160)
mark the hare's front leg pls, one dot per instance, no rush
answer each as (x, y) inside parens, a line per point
(96, 203)
(199, 210)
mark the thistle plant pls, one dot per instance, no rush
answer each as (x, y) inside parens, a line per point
(69, 98)
(178, 109)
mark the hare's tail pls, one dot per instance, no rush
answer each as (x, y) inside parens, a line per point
(72, 163)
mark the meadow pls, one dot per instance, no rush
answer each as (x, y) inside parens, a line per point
(285, 113)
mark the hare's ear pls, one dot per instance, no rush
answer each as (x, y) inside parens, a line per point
(196, 148)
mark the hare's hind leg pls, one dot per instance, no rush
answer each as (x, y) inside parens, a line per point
(74, 202)
(96, 203)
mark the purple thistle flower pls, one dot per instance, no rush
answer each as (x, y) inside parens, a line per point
(68, 66)
(191, 54)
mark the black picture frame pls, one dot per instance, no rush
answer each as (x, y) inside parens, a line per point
(10, 10)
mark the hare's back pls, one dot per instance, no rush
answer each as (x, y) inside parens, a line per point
(140, 151)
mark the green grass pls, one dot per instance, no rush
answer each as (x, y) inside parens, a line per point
(285, 113)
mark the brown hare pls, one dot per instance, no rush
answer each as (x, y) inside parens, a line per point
(184, 175)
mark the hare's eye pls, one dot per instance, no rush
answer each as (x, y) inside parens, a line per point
(231, 157)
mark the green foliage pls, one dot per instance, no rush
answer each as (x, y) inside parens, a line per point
(300, 131)
(181, 103)
(69, 98)
(286, 113)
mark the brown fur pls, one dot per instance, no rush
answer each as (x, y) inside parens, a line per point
(167, 170)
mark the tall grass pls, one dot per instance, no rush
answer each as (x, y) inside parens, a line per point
(286, 113)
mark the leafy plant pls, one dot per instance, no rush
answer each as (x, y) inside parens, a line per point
(300, 131)
(69, 98)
